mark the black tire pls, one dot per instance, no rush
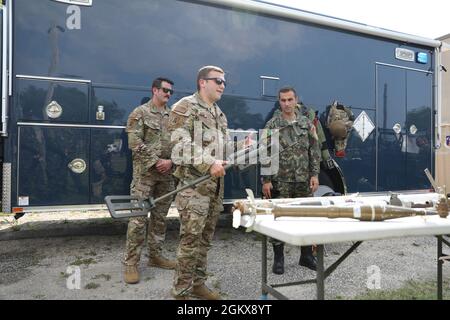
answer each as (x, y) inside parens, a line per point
(326, 186)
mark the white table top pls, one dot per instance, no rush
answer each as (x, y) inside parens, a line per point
(307, 231)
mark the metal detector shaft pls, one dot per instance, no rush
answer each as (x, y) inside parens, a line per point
(189, 185)
(132, 206)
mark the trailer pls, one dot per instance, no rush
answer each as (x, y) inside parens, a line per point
(72, 71)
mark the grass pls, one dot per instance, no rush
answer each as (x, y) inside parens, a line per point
(412, 290)
(14, 224)
(107, 277)
(2, 214)
(92, 285)
(108, 220)
(216, 284)
(79, 261)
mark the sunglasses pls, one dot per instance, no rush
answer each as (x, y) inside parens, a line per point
(167, 90)
(219, 81)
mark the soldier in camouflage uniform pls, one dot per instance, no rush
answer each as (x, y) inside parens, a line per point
(311, 115)
(199, 207)
(299, 166)
(149, 140)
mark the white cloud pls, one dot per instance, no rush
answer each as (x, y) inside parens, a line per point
(427, 19)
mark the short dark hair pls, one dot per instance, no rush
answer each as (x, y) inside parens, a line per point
(204, 72)
(286, 89)
(158, 81)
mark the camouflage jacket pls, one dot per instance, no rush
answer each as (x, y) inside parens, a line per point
(311, 114)
(198, 135)
(148, 138)
(300, 161)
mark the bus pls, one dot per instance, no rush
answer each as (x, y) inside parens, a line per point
(73, 70)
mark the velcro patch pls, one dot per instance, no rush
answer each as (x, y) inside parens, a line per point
(181, 108)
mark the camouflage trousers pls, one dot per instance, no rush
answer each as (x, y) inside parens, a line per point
(199, 211)
(155, 226)
(289, 190)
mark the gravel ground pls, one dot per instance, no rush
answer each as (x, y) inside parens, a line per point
(41, 268)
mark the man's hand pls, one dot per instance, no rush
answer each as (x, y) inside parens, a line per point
(267, 187)
(163, 166)
(314, 184)
(217, 169)
(249, 142)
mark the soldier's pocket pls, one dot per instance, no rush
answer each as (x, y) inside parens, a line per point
(208, 122)
(193, 209)
(152, 124)
(198, 204)
(182, 199)
(302, 135)
(192, 201)
(153, 130)
(197, 208)
(223, 123)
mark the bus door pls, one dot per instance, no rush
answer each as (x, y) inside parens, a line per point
(404, 127)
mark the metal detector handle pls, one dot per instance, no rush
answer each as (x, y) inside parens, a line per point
(127, 206)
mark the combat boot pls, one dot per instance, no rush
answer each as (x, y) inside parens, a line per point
(131, 274)
(203, 292)
(307, 259)
(278, 258)
(161, 262)
(179, 297)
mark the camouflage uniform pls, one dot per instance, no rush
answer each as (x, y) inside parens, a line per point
(298, 163)
(149, 140)
(199, 207)
(311, 115)
(323, 145)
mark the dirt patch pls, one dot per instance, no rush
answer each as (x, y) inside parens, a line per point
(15, 265)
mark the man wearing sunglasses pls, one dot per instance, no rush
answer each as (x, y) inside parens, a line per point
(199, 207)
(149, 141)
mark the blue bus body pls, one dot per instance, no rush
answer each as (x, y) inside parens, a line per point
(78, 69)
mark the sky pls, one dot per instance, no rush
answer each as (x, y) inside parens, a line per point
(429, 19)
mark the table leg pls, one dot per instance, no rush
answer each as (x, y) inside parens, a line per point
(439, 268)
(264, 267)
(320, 274)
